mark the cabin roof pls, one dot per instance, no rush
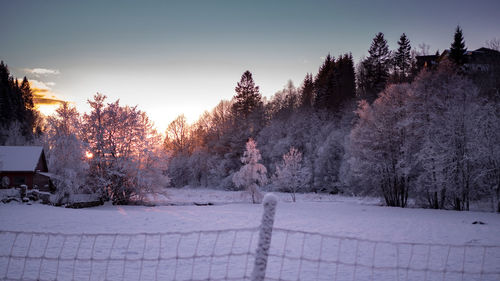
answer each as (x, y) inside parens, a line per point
(19, 158)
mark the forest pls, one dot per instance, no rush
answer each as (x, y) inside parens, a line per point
(385, 126)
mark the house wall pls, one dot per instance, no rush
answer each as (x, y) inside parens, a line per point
(31, 180)
(42, 183)
(16, 178)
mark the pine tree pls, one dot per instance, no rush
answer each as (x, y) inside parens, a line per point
(307, 91)
(335, 83)
(16, 105)
(458, 50)
(6, 110)
(347, 78)
(248, 98)
(323, 82)
(28, 112)
(403, 58)
(375, 68)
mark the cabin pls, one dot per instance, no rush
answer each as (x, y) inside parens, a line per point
(478, 60)
(24, 165)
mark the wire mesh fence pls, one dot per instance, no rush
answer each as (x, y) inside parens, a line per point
(259, 253)
(299, 255)
(229, 255)
(202, 255)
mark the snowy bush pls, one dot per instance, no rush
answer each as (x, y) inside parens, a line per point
(291, 175)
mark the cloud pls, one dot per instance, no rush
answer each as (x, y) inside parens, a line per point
(42, 93)
(42, 71)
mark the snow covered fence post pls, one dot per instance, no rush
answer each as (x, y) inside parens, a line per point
(266, 228)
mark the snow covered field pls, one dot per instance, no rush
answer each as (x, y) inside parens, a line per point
(164, 242)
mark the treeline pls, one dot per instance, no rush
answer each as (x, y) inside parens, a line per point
(382, 127)
(387, 129)
(19, 120)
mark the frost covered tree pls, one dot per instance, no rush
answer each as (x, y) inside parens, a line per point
(447, 112)
(377, 144)
(66, 153)
(291, 175)
(489, 153)
(436, 137)
(119, 138)
(253, 174)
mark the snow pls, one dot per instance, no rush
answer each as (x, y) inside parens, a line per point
(346, 216)
(331, 215)
(19, 158)
(9, 192)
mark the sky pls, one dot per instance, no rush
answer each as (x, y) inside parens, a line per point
(183, 57)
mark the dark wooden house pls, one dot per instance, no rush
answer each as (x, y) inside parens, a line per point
(24, 165)
(481, 59)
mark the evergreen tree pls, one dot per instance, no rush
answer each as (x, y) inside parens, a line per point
(248, 98)
(307, 91)
(6, 110)
(458, 50)
(335, 83)
(347, 78)
(323, 82)
(403, 58)
(28, 112)
(16, 105)
(375, 68)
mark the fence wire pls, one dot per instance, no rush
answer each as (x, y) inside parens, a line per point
(200, 255)
(299, 255)
(229, 255)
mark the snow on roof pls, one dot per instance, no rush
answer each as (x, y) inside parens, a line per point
(19, 158)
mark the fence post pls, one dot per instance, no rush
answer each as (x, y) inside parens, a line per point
(265, 233)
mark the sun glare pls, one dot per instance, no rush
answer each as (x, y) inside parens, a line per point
(47, 109)
(89, 154)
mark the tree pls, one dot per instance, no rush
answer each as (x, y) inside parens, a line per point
(447, 116)
(378, 146)
(17, 106)
(284, 102)
(324, 83)
(493, 44)
(291, 175)
(307, 91)
(403, 58)
(335, 83)
(457, 49)
(489, 152)
(252, 174)
(121, 139)
(248, 98)
(375, 68)
(178, 136)
(67, 152)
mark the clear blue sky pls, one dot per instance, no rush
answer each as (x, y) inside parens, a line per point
(183, 57)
